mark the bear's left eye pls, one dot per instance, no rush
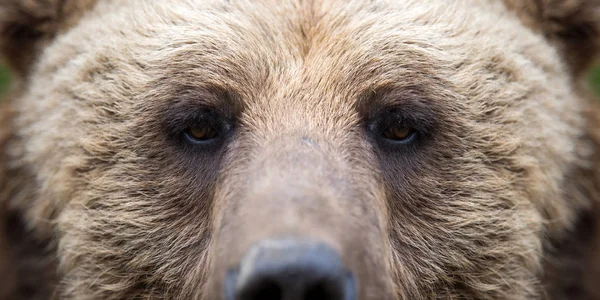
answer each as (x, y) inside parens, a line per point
(200, 134)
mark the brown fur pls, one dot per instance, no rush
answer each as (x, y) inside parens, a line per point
(6, 287)
(572, 25)
(28, 25)
(571, 267)
(497, 200)
(27, 262)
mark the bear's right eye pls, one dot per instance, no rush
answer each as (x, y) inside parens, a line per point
(399, 134)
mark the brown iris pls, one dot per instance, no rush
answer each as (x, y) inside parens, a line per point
(201, 133)
(398, 133)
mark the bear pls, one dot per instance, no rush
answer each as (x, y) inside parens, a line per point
(299, 149)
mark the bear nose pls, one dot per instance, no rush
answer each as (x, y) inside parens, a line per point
(290, 270)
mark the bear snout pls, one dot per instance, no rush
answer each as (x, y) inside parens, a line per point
(290, 269)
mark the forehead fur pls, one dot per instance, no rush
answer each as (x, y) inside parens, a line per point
(260, 44)
(280, 56)
(296, 51)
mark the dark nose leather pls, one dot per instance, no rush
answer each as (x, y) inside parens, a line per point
(290, 270)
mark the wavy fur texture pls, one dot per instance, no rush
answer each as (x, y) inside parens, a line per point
(101, 199)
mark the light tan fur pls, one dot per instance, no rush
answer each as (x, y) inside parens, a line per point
(478, 211)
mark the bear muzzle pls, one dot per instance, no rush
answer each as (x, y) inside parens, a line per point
(298, 224)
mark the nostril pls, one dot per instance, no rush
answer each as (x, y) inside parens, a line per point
(270, 292)
(267, 290)
(290, 270)
(322, 292)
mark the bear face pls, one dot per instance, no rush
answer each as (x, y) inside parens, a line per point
(436, 148)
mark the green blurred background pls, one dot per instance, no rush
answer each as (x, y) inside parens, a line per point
(594, 79)
(4, 79)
